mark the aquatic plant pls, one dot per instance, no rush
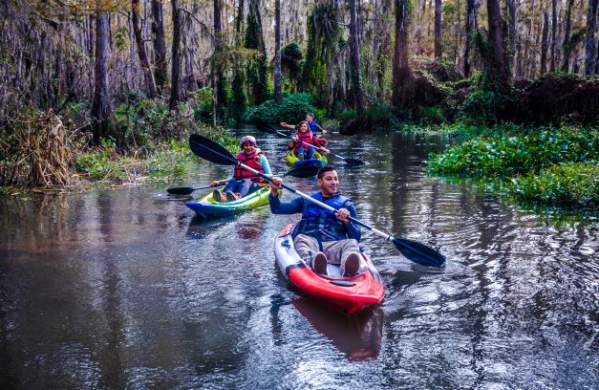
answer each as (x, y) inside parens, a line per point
(502, 154)
(568, 183)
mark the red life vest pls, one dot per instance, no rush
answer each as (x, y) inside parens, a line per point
(308, 137)
(252, 160)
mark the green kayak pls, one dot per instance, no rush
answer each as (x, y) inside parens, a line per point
(208, 207)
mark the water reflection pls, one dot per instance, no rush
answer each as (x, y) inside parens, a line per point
(358, 337)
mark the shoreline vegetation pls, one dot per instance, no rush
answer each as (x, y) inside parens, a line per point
(551, 166)
(554, 166)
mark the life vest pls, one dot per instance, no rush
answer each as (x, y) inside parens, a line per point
(323, 224)
(308, 137)
(252, 160)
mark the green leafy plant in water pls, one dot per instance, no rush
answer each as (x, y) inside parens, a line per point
(568, 183)
(511, 155)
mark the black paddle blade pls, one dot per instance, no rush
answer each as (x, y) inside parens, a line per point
(180, 190)
(419, 253)
(303, 171)
(210, 150)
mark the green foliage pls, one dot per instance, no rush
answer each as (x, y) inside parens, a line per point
(324, 41)
(256, 69)
(510, 155)
(291, 58)
(330, 124)
(568, 183)
(239, 101)
(293, 109)
(166, 161)
(379, 115)
(138, 123)
(347, 115)
(202, 101)
(100, 163)
(172, 160)
(431, 115)
(483, 105)
(121, 38)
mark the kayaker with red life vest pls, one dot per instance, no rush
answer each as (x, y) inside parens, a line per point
(302, 142)
(243, 181)
(321, 236)
(312, 124)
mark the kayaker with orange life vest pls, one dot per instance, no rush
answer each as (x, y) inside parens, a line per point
(302, 142)
(321, 236)
(243, 181)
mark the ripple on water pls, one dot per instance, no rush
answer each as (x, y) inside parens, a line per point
(116, 289)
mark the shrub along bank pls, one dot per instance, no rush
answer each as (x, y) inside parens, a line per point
(556, 166)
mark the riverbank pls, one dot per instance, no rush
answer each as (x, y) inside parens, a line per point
(46, 152)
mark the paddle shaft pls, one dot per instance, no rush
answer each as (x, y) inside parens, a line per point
(319, 203)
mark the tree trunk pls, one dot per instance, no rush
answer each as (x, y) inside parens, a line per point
(277, 74)
(529, 42)
(512, 29)
(438, 30)
(218, 84)
(176, 57)
(354, 45)
(160, 72)
(102, 105)
(544, 43)
(591, 44)
(239, 20)
(565, 45)
(141, 50)
(402, 74)
(499, 71)
(471, 27)
(553, 34)
(238, 82)
(257, 76)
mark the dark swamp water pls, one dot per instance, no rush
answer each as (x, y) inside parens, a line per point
(123, 289)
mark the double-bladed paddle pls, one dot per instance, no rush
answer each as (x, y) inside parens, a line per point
(303, 171)
(185, 190)
(413, 250)
(270, 129)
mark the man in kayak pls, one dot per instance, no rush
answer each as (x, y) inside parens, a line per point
(312, 124)
(243, 181)
(303, 142)
(322, 237)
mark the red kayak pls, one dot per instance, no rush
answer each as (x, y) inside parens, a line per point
(350, 294)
